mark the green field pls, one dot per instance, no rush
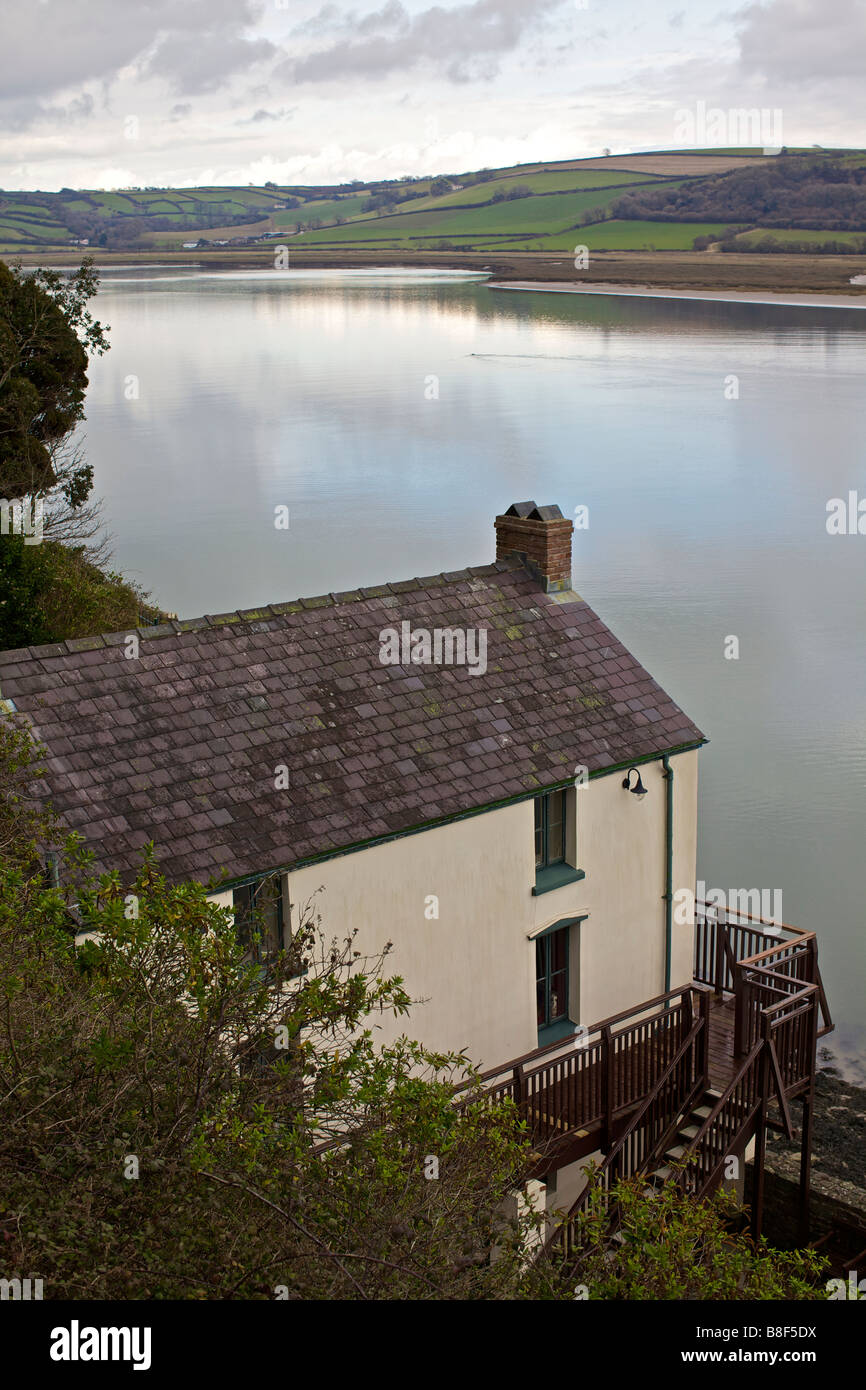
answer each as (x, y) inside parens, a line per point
(564, 181)
(633, 236)
(535, 217)
(853, 239)
(325, 209)
(563, 193)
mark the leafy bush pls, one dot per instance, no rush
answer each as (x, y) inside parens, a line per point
(673, 1247)
(165, 1100)
(51, 592)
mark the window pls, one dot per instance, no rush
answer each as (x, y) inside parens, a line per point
(549, 830)
(555, 812)
(259, 916)
(551, 980)
(557, 978)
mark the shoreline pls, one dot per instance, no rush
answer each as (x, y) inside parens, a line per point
(795, 280)
(780, 297)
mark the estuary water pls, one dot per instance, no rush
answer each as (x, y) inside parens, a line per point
(395, 413)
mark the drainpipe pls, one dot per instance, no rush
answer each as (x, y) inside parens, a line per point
(668, 895)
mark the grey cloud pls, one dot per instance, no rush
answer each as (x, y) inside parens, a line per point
(20, 115)
(332, 20)
(202, 62)
(803, 40)
(391, 16)
(463, 41)
(56, 45)
(258, 117)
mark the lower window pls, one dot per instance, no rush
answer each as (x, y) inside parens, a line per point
(551, 980)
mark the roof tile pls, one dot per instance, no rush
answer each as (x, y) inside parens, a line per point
(180, 745)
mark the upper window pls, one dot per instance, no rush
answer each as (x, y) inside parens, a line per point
(259, 916)
(549, 830)
(555, 826)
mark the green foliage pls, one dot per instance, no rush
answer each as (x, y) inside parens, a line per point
(51, 592)
(46, 334)
(181, 1120)
(673, 1247)
(790, 243)
(159, 1041)
(797, 191)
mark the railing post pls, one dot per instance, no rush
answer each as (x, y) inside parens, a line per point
(719, 968)
(704, 1050)
(761, 1138)
(742, 1006)
(520, 1090)
(806, 1129)
(607, 1082)
(812, 967)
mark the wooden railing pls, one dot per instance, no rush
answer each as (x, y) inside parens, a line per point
(759, 961)
(653, 1125)
(594, 1081)
(726, 1130)
(780, 1063)
(772, 971)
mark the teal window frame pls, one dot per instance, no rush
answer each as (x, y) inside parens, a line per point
(562, 1026)
(248, 921)
(551, 853)
(552, 869)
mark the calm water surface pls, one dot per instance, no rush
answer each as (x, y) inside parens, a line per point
(707, 515)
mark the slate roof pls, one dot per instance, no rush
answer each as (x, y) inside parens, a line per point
(181, 745)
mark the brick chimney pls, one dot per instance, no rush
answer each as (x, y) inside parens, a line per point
(541, 538)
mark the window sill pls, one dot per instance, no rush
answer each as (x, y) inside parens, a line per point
(555, 877)
(555, 1032)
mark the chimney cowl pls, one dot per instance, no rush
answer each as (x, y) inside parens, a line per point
(541, 539)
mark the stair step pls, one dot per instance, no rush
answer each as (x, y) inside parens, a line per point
(688, 1131)
(703, 1111)
(676, 1151)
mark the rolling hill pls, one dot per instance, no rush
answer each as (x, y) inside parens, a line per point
(652, 201)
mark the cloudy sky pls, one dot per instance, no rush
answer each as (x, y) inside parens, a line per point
(108, 93)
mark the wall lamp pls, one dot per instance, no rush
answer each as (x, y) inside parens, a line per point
(638, 790)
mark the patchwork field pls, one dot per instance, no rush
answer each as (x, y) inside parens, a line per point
(635, 236)
(567, 180)
(535, 217)
(558, 205)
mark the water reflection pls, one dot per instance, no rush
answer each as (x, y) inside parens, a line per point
(396, 416)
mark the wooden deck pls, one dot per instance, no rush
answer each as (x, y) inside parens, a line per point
(741, 1039)
(721, 1060)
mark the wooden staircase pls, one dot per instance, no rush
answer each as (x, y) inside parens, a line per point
(688, 1130)
(688, 1134)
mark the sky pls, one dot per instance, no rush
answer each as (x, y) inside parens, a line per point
(119, 93)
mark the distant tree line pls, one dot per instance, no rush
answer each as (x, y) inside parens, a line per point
(520, 190)
(389, 199)
(771, 245)
(798, 191)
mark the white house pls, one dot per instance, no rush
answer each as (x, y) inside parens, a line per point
(471, 766)
(473, 814)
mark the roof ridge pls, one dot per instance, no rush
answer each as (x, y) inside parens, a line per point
(175, 626)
